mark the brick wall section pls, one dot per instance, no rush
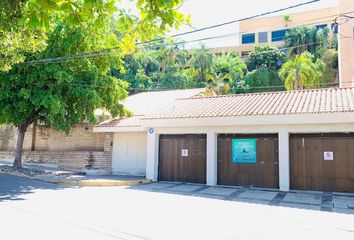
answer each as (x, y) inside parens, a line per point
(8, 138)
(82, 149)
(80, 138)
(68, 160)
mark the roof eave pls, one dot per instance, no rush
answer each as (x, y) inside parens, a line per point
(119, 129)
(313, 118)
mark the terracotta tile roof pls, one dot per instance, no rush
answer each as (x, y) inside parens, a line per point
(133, 121)
(149, 102)
(145, 103)
(273, 103)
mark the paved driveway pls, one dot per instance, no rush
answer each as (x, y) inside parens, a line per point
(321, 201)
(36, 210)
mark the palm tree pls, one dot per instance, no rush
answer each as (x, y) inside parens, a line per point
(302, 39)
(217, 83)
(201, 63)
(300, 73)
(229, 64)
(287, 20)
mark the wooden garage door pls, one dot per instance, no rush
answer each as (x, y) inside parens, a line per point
(262, 173)
(182, 158)
(310, 171)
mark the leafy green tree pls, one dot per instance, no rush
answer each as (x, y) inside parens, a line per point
(139, 70)
(240, 87)
(217, 83)
(322, 44)
(263, 63)
(174, 71)
(263, 80)
(227, 70)
(25, 24)
(163, 67)
(328, 62)
(266, 57)
(62, 93)
(15, 38)
(300, 39)
(229, 64)
(300, 73)
(201, 64)
(167, 66)
(310, 39)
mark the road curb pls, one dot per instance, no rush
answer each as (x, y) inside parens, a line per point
(104, 183)
(92, 183)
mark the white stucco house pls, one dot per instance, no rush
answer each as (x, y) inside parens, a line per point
(130, 136)
(285, 140)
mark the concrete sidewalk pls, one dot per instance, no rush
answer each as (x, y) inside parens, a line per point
(50, 168)
(80, 180)
(56, 175)
(310, 200)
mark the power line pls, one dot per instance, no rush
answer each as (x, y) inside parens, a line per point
(108, 51)
(302, 22)
(234, 21)
(168, 88)
(226, 36)
(269, 51)
(308, 22)
(163, 88)
(246, 18)
(98, 53)
(287, 48)
(78, 56)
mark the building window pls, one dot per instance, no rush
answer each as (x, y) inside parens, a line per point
(334, 27)
(278, 35)
(321, 26)
(262, 37)
(245, 54)
(248, 38)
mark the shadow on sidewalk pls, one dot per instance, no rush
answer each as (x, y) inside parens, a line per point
(14, 187)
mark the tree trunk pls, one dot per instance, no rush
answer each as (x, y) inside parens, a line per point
(19, 146)
(34, 133)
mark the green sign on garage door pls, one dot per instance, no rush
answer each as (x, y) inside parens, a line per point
(244, 150)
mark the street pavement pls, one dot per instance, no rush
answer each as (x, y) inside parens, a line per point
(31, 209)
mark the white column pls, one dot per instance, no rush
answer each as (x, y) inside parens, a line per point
(152, 155)
(284, 161)
(211, 163)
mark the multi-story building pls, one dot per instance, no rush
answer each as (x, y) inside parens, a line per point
(346, 43)
(272, 30)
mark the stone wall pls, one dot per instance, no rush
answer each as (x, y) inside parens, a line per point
(81, 149)
(67, 160)
(40, 138)
(8, 138)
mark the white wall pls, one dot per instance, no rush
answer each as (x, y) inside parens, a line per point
(129, 153)
(291, 128)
